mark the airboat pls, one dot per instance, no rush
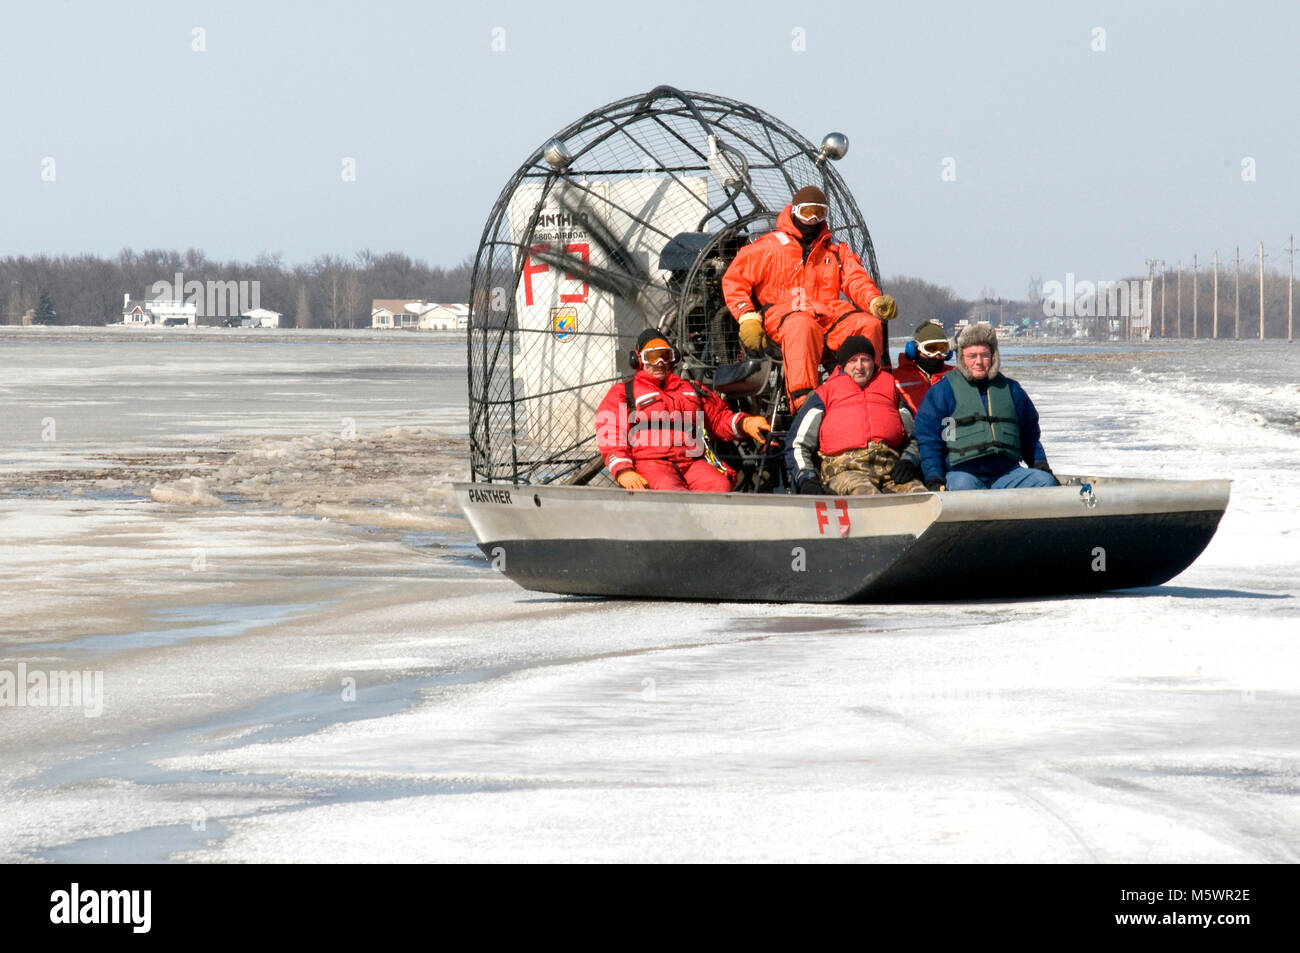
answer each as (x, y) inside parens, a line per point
(627, 219)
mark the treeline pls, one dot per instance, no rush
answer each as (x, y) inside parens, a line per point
(919, 300)
(330, 292)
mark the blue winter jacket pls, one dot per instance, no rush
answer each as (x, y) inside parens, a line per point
(940, 402)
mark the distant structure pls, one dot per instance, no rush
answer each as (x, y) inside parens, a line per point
(260, 318)
(446, 317)
(418, 314)
(158, 312)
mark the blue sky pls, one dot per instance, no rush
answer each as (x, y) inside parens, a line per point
(1069, 158)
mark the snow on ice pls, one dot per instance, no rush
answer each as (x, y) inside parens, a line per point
(304, 657)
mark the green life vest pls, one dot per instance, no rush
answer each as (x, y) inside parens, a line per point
(981, 430)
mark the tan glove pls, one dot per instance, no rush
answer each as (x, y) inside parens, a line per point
(751, 331)
(884, 307)
(755, 427)
(631, 480)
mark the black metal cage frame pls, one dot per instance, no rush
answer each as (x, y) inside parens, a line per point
(648, 183)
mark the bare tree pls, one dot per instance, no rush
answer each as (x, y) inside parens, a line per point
(335, 298)
(303, 319)
(351, 298)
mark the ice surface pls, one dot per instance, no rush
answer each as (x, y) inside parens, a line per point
(343, 678)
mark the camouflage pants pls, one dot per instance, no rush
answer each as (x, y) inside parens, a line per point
(865, 472)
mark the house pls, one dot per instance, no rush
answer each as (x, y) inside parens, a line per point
(417, 314)
(158, 312)
(259, 318)
(396, 312)
(445, 317)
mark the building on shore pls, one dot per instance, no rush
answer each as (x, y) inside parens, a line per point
(158, 312)
(418, 314)
(260, 318)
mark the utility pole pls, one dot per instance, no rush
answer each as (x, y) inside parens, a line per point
(1216, 294)
(1179, 299)
(1146, 308)
(1290, 286)
(1164, 271)
(1196, 287)
(1236, 332)
(1261, 291)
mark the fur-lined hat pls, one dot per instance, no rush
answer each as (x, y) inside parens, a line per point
(978, 334)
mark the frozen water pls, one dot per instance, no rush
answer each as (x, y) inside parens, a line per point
(340, 677)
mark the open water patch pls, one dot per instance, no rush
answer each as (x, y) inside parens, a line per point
(180, 624)
(146, 845)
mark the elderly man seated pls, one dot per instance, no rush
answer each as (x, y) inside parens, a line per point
(853, 425)
(978, 429)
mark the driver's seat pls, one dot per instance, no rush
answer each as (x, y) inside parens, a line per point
(747, 378)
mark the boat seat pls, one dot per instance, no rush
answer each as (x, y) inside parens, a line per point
(743, 379)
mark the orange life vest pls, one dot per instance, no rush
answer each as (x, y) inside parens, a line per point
(855, 416)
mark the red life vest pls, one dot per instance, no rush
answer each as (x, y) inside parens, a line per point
(855, 416)
(914, 383)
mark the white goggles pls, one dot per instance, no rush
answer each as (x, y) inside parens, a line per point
(810, 212)
(658, 355)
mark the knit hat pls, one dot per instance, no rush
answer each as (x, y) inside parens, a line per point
(809, 193)
(854, 345)
(649, 335)
(930, 330)
(978, 334)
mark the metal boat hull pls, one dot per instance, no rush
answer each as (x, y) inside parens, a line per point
(1115, 534)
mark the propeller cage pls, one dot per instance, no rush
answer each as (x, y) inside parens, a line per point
(624, 220)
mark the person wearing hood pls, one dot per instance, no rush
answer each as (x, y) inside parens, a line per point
(654, 428)
(921, 363)
(977, 429)
(848, 437)
(787, 286)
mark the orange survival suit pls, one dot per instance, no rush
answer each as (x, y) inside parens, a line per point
(913, 382)
(797, 289)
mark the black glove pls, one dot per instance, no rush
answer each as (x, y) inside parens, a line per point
(935, 485)
(807, 483)
(905, 471)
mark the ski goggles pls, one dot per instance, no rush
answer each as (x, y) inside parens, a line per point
(658, 355)
(810, 212)
(937, 348)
